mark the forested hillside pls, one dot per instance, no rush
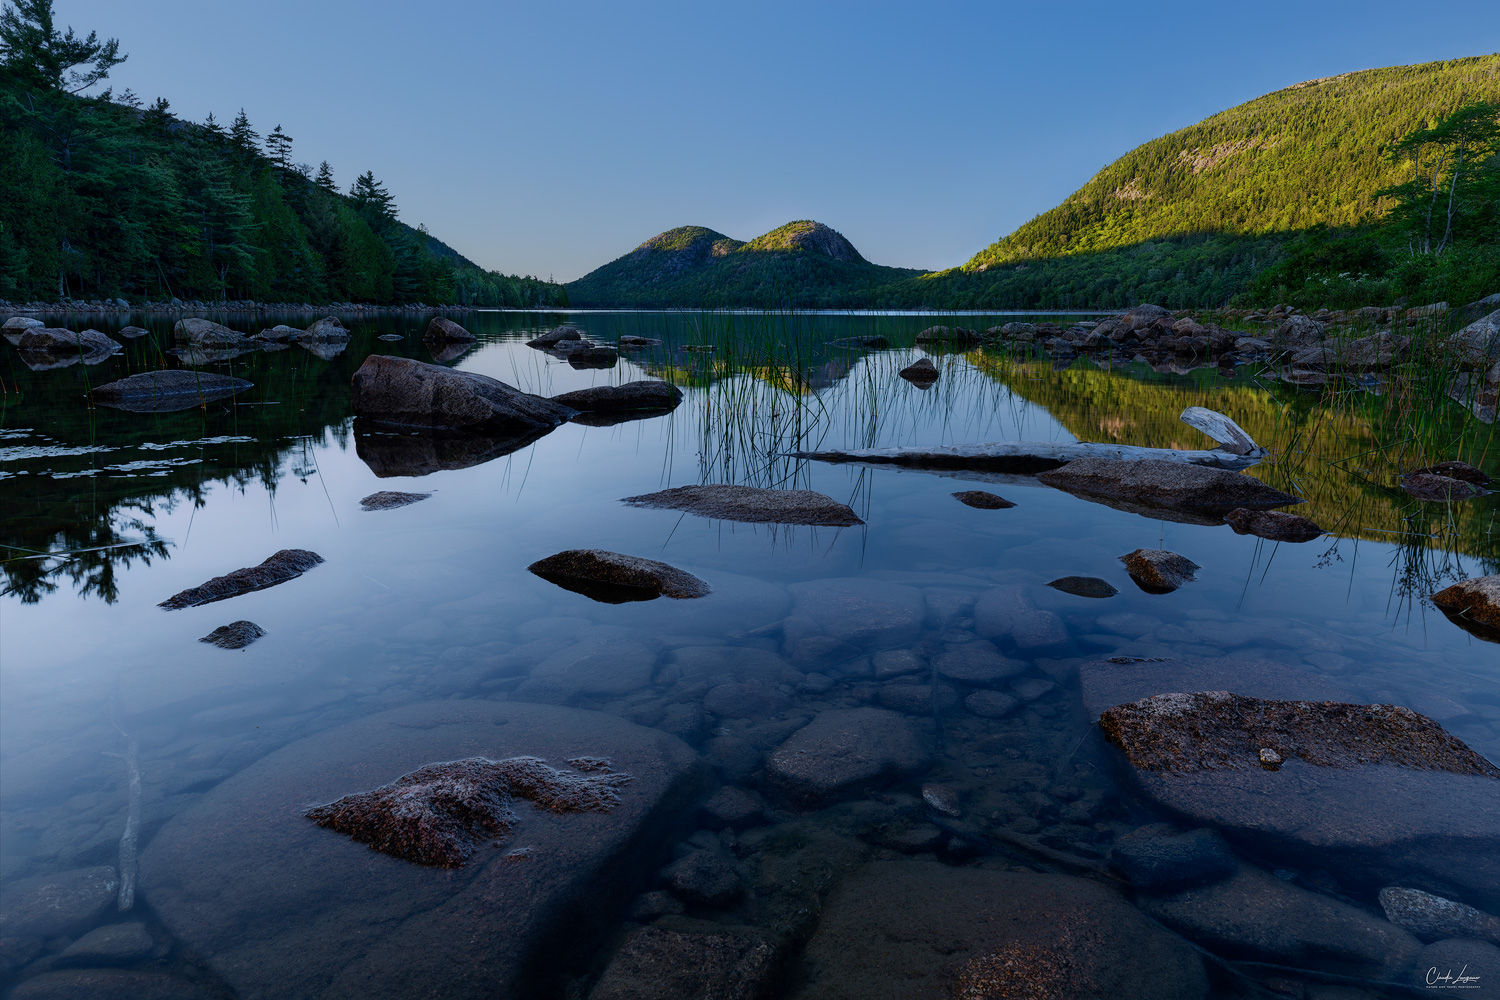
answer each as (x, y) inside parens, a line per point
(104, 196)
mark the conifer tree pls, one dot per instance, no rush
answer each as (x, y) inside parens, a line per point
(372, 201)
(279, 145)
(38, 54)
(324, 179)
(243, 138)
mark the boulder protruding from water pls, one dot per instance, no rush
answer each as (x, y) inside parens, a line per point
(329, 328)
(1158, 571)
(442, 330)
(235, 635)
(403, 392)
(13, 328)
(1274, 525)
(641, 395)
(167, 390)
(558, 334)
(1440, 488)
(982, 499)
(288, 564)
(1473, 605)
(920, 373)
(206, 333)
(1153, 483)
(390, 500)
(614, 577)
(55, 340)
(751, 504)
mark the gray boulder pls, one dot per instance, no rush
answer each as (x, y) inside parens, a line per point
(642, 395)
(1158, 571)
(279, 907)
(751, 504)
(442, 329)
(54, 340)
(279, 333)
(168, 390)
(843, 752)
(1299, 331)
(206, 333)
(1431, 917)
(329, 328)
(1156, 486)
(1275, 525)
(1478, 344)
(558, 334)
(403, 392)
(12, 328)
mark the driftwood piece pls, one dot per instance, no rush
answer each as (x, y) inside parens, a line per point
(1230, 435)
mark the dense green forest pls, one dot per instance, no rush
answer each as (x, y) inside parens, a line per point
(102, 196)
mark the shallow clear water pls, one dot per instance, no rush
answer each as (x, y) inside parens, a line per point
(434, 601)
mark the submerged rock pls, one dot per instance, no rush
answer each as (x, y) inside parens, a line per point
(1444, 489)
(982, 499)
(642, 395)
(112, 944)
(288, 564)
(1156, 861)
(1158, 571)
(1117, 680)
(404, 392)
(1006, 613)
(279, 907)
(1084, 586)
(842, 752)
(913, 930)
(110, 984)
(390, 500)
(236, 635)
(167, 391)
(1473, 605)
(614, 578)
(863, 613)
(206, 333)
(658, 964)
(920, 373)
(991, 704)
(1154, 483)
(48, 905)
(751, 504)
(702, 877)
(1274, 525)
(442, 813)
(442, 330)
(1431, 917)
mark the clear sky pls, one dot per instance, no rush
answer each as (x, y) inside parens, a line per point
(549, 137)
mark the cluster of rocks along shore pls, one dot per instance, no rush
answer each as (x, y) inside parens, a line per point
(235, 307)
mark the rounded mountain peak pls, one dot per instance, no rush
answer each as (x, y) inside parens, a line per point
(690, 239)
(806, 235)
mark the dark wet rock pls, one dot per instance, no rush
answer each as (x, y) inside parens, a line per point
(991, 704)
(48, 905)
(132, 332)
(1431, 917)
(442, 813)
(1455, 470)
(168, 390)
(278, 333)
(870, 342)
(956, 335)
(1275, 525)
(1473, 605)
(1109, 682)
(13, 328)
(390, 500)
(982, 500)
(327, 328)
(649, 905)
(1445, 489)
(206, 333)
(944, 799)
(978, 663)
(593, 356)
(1379, 350)
(910, 929)
(1084, 586)
(442, 330)
(558, 334)
(1006, 613)
(734, 807)
(751, 504)
(406, 455)
(1199, 756)
(1031, 688)
(1255, 915)
(236, 635)
(279, 907)
(1158, 571)
(643, 395)
(404, 392)
(1157, 862)
(918, 699)
(1146, 484)
(702, 877)
(630, 340)
(732, 757)
(614, 578)
(745, 700)
(864, 613)
(57, 341)
(842, 752)
(1445, 965)
(110, 984)
(662, 964)
(288, 564)
(112, 944)
(921, 373)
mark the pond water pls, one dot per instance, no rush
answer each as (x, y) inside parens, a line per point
(106, 513)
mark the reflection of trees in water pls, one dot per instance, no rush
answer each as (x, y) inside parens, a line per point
(87, 554)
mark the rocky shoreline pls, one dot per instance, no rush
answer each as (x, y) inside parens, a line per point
(237, 308)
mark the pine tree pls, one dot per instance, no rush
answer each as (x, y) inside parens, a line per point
(279, 145)
(213, 132)
(39, 55)
(243, 138)
(325, 178)
(372, 201)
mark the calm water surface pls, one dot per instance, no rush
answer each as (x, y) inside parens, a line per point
(434, 601)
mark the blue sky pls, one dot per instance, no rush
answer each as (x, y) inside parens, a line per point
(551, 138)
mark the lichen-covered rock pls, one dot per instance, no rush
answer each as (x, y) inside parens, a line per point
(281, 908)
(1474, 604)
(1084, 586)
(167, 390)
(921, 373)
(982, 499)
(207, 333)
(1274, 525)
(1443, 489)
(659, 964)
(751, 504)
(1157, 483)
(442, 329)
(597, 573)
(842, 752)
(288, 564)
(1159, 571)
(403, 392)
(1431, 917)
(236, 635)
(642, 395)
(390, 500)
(442, 813)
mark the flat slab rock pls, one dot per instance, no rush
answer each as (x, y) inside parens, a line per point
(1200, 757)
(641, 395)
(752, 504)
(391, 499)
(404, 392)
(843, 752)
(281, 907)
(168, 390)
(1163, 484)
(919, 930)
(288, 564)
(614, 578)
